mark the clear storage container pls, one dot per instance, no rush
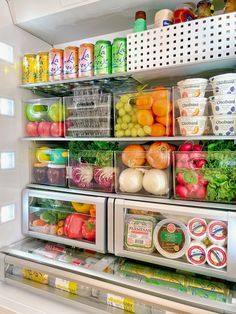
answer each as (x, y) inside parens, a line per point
(44, 117)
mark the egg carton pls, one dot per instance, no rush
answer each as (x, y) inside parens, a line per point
(88, 122)
(86, 132)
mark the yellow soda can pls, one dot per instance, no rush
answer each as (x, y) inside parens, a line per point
(41, 67)
(28, 68)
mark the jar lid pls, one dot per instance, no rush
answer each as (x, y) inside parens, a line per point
(56, 166)
(140, 15)
(40, 164)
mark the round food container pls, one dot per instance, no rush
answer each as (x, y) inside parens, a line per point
(192, 106)
(223, 124)
(196, 253)
(197, 228)
(223, 104)
(192, 87)
(224, 84)
(193, 126)
(171, 238)
(217, 232)
(216, 256)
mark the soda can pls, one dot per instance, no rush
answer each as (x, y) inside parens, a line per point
(86, 57)
(28, 68)
(119, 55)
(102, 57)
(41, 67)
(71, 61)
(56, 64)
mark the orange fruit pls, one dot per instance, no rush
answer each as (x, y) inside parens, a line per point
(165, 120)
(158, 129)
(161, 107)
(145, 117)
(144, 101)
(160, 92)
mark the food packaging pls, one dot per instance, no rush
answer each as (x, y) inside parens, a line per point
(223, 124)
(196, 253)
(197, 228)
(171, 238)
(163, 18)
(223, 104)
(139, 233)
(192, 106)
(216, 256)
(193, 126)
(224, 84)
(183, 14)
(194, 87)
(217, 232)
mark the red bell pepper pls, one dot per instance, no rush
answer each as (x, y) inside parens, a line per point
(89, 229)
(73, 226)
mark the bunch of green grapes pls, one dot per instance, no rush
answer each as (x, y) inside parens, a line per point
(126, 121)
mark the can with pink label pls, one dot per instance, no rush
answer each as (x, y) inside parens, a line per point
(56, 64)
(71, 61)
(86, 60)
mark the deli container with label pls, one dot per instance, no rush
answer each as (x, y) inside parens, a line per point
(144, 169)
(176, 236)
(144, 113)
(44, 117)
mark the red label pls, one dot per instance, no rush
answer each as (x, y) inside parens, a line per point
(171, 228)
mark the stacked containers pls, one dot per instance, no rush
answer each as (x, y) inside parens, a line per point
(192, 107)
(223, 104)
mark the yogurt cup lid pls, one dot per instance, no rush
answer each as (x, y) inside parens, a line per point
(226, 97)
(203, 118)
(223, 116)
(216, 256)
(197, 227)
(192, 82)
(223, 77)
(217, 230)
(196, 253)
(192, 99)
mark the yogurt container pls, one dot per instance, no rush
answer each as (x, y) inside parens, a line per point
(193, 126)
(223, 104)
(223, 124)
(192, 106)
(216, 256)
(224, 84)
(197, 228)
(192, 87)
(217, 232)
(196, 253)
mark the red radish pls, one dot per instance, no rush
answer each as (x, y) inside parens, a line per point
(180, 178)
(190, 165)
(186, 147)
(180, 164)
(201, 180)
(200, 163)
(183, 157)
(197, 148)
(192, 189)
(201, 192)
(181, 191)
(197, 155)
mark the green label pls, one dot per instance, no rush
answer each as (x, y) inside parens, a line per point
(171, 237)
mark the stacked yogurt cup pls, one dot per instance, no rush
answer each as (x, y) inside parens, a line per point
(223, 104)
(193, 119)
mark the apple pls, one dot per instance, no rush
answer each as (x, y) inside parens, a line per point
(32, 128)
(57, 129)
(44, 128)
(35, 112)
(55, 112)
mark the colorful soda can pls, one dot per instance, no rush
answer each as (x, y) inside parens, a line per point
(102, 57)
(119, 55)
(56, 64)
(28, 68)
(41, 67)
(86, 57)
(71, 62)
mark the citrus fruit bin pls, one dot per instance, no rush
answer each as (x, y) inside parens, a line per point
(144, 113)
(44, 117)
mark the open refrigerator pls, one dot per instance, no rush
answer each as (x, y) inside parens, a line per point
(96, 266)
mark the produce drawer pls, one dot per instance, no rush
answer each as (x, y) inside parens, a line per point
(186, 238)
(74, 220)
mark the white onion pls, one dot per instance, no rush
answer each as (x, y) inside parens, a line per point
(130, 180)
(156, 182)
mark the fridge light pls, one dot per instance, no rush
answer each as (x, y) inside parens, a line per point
(6, 107)
(6, 52)
(7, 160)
(7, 213)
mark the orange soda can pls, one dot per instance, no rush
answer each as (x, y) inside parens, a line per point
(71, 62)
(41, 67)
(28, 68)
(56, 64)
(86, 60)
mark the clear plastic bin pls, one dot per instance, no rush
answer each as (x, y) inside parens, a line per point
(88, 115)
(44, 117)
(49, 166)
(147, 113)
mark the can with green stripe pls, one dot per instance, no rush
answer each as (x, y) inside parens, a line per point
(119, 55)
(102, 57)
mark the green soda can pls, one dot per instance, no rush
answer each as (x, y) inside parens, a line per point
(102, 57)
(119, 55)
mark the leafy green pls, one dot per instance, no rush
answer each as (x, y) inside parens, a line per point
(52, 216)
(219, 145)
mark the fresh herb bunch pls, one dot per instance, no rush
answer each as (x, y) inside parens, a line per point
(97, 153)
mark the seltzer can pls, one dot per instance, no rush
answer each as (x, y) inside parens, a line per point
(56, 64)
(71, 62)
(102, 57)
(28, 68)
(41, 67)
(119, 55)
(86, 57)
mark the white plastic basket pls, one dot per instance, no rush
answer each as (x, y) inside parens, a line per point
(196, 41)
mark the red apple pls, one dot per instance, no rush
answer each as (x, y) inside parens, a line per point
(32, 128)
(57, 129)
(44, 129)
